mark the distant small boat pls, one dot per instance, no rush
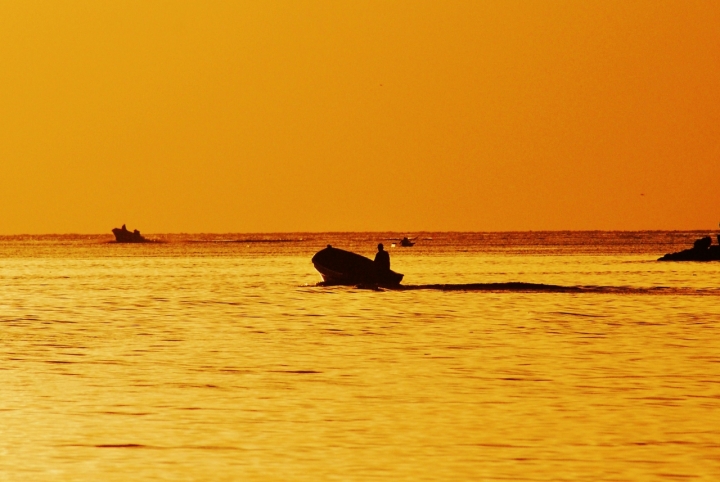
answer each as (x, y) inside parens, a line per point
(406, 242)
(340, 267)
(122, 235)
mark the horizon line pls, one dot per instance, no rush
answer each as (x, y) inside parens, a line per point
(109, 233)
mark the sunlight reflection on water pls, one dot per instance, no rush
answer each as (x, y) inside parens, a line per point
(192, 361)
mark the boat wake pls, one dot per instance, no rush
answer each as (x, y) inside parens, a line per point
(511, 286)
(519, 287)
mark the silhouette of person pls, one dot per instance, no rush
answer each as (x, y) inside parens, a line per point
(124, 228)
(382, 259)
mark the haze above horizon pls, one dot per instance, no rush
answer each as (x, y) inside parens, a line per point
(359, 116)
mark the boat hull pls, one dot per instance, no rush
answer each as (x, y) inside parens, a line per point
(693, 254)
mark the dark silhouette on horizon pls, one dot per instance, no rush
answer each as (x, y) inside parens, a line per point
(122, 235)
(406, 243)
(702, 250)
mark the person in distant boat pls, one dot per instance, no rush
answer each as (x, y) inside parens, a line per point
(382, 259)
(124, 228)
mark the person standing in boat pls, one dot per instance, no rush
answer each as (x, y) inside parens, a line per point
(382, 259)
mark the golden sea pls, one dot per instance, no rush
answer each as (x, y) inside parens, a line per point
(218, 358)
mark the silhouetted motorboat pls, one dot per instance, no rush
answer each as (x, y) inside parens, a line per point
(405, 242)
(340, 267)
(122, 235)
(702, 250)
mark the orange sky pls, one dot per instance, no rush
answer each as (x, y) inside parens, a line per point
(176, 116)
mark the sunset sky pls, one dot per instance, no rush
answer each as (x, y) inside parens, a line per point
(212, 116)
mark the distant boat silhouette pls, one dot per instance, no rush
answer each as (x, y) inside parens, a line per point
(406, 242)
(340, 267)
(702, 250)
(122, 235)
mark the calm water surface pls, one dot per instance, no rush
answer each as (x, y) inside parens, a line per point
(215, 357)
